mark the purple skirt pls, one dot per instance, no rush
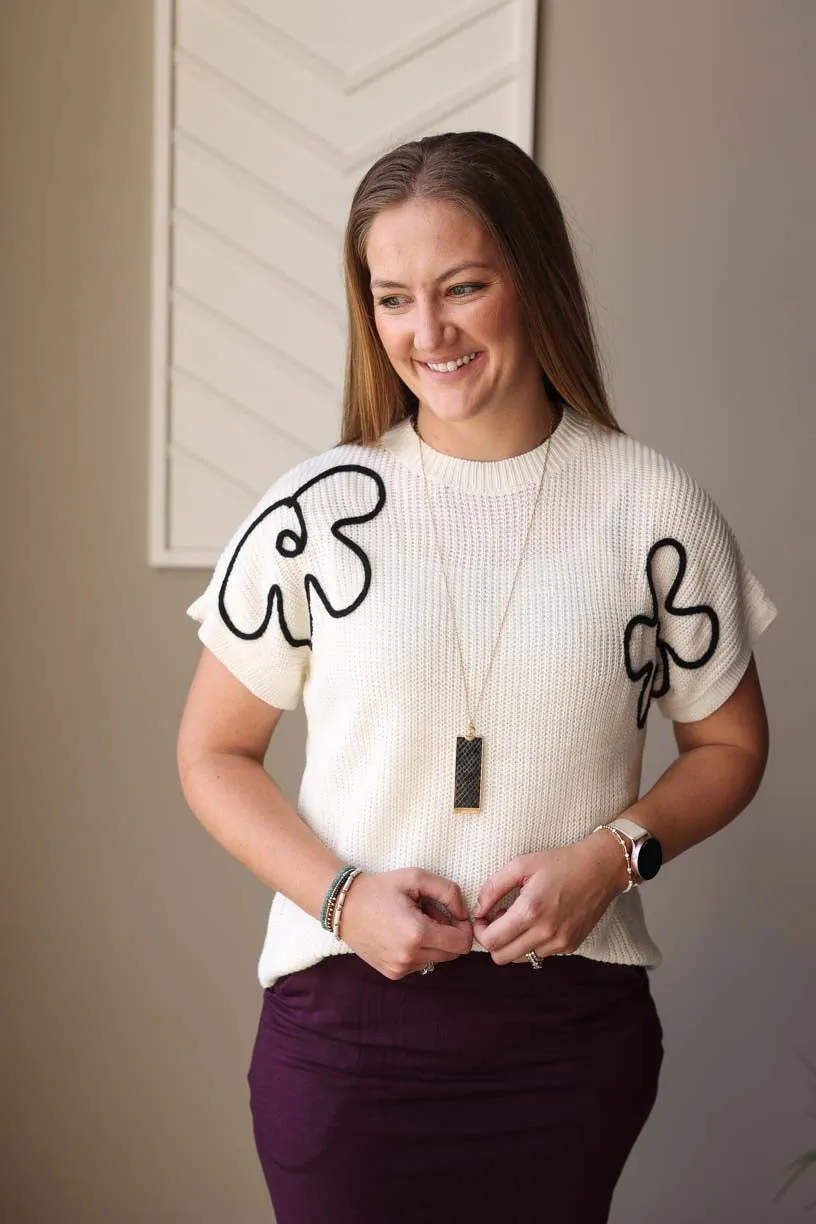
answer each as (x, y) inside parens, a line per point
(506, 1092)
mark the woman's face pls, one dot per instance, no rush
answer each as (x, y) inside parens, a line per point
(442, 294)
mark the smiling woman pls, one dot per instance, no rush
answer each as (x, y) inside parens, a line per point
(461, 250)
(459, 345)
(479, 593)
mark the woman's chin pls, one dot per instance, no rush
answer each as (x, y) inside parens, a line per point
(445, 411)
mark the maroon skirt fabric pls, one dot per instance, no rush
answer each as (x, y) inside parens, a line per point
(511, 1093)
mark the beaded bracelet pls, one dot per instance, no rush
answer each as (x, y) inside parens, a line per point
(341, 900)
(331, 909)
(330, 899)
(331, 895)
(627, 853)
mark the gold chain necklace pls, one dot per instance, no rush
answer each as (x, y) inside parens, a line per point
(467, 783)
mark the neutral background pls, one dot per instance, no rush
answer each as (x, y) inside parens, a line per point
(679, 137)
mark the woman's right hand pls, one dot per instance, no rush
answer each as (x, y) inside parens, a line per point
(387, 921)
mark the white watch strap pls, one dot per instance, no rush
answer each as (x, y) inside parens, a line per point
(632, 830)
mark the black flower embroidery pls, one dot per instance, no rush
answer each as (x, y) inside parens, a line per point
(655, 672)
(287, 520)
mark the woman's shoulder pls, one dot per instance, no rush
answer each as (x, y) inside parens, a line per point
(641, 476)
(346, 461)
(653, 504)
(304, 504)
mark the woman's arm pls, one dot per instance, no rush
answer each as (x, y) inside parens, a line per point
(223, 737)
(565, 892)
(719, 769)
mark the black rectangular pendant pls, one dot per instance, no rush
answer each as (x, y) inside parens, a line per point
(467, 787)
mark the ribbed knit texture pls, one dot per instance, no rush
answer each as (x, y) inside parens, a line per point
(570, 685)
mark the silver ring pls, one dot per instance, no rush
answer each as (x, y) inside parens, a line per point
(535, 960)
(429, 968)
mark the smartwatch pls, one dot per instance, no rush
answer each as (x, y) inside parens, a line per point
(647, 852)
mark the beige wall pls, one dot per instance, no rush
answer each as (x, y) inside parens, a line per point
(678, 136)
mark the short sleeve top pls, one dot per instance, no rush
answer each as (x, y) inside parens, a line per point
(633, 590)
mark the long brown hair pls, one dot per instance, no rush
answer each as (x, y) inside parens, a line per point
(498, 184)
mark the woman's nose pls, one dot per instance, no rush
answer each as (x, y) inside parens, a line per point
(431, 330)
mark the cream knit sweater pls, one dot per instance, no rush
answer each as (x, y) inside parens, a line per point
(633, 588)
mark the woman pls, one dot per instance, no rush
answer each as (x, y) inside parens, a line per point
(477, 594)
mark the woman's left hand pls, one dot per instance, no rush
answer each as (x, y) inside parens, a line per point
(564, 893)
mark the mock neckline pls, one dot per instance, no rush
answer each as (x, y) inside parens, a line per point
(494, 475)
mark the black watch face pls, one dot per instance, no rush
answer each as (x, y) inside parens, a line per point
(649, 859)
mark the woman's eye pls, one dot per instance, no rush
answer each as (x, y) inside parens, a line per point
(469, 288)
(394, 300)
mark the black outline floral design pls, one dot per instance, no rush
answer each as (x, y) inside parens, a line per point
(291, 543)
(655, 674)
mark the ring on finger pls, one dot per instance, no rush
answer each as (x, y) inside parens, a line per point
(535, 960)
(429, 968)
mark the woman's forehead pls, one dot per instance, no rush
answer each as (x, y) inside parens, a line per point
(425, 233)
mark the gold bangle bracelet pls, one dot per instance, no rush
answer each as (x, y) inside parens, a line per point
(626, 851)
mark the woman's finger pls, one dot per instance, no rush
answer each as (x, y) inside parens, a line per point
(497, 886)
(443, 941)
(422, 883)
(438, 913)
(504, 930)
(455, 937)
(518, 949)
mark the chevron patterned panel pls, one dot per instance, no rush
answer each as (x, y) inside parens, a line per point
(268, 112)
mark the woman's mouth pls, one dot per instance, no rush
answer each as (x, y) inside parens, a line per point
(442, 372)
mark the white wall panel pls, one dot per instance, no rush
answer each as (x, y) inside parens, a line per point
(234, 365)
(227, 437)
(305, 256)
(267, 115)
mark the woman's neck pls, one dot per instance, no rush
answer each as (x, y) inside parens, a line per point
(488, 437)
